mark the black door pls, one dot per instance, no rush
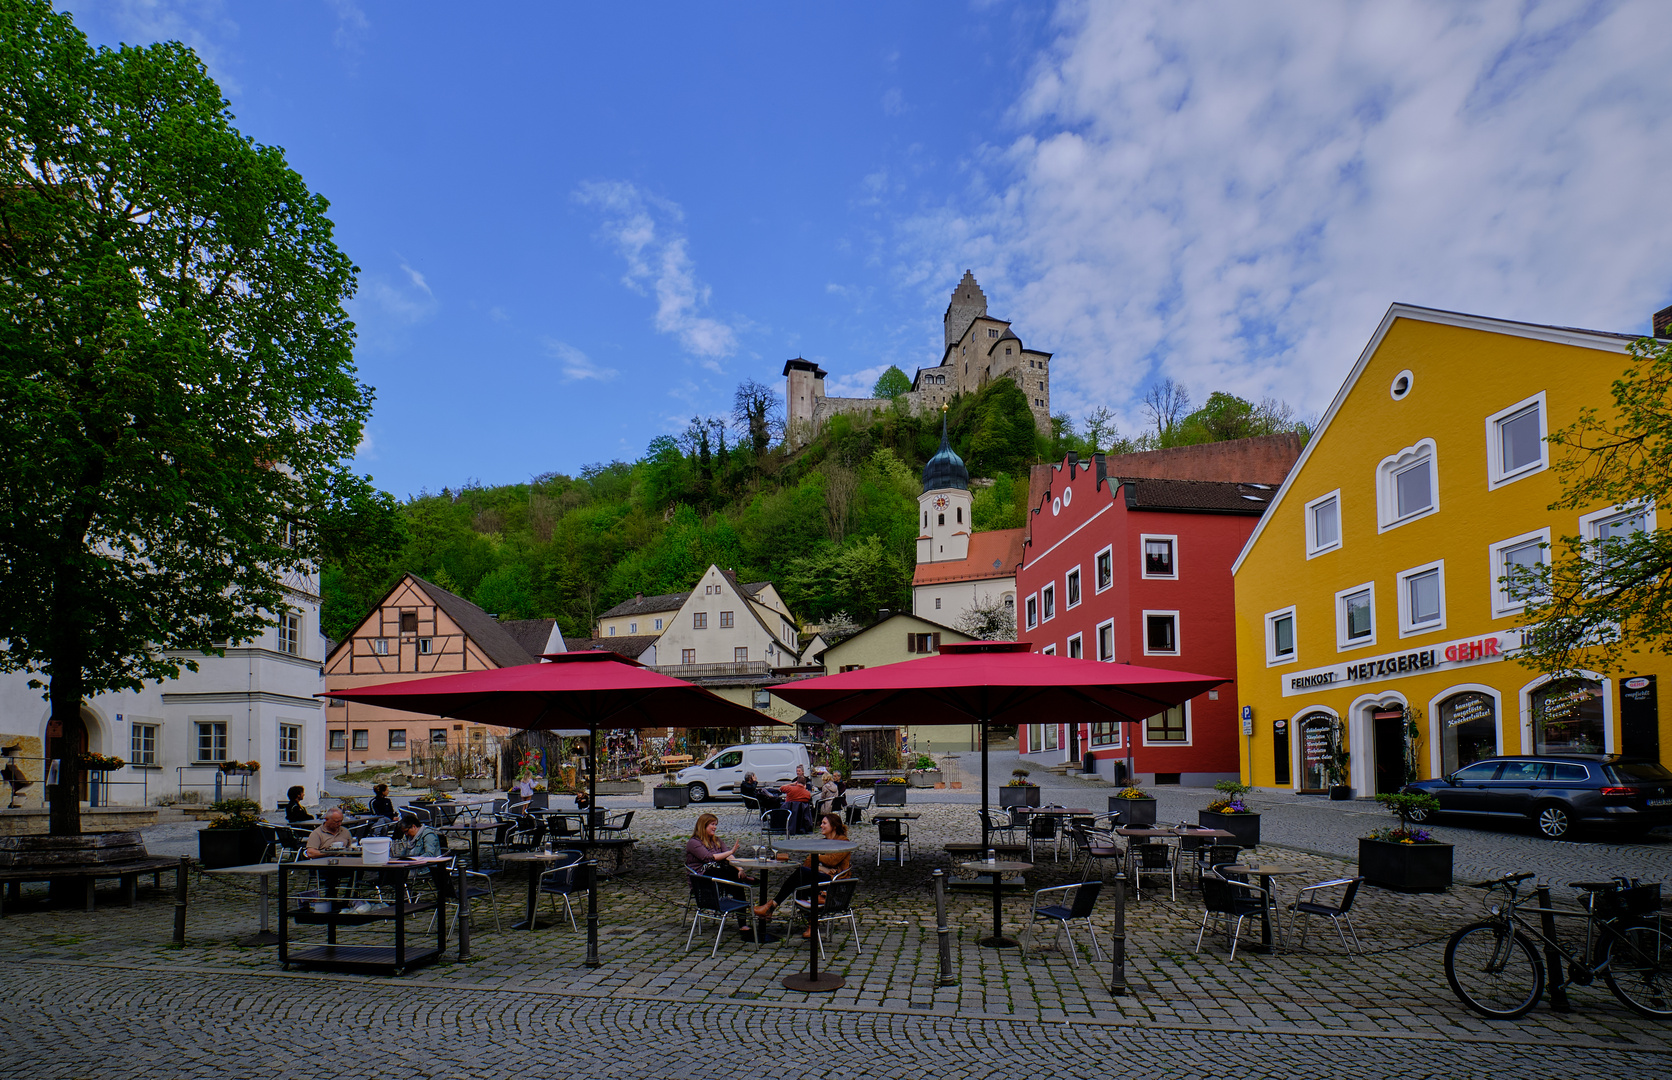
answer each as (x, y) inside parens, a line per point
(1640, 717)
(1390, 752)
(1280, 752)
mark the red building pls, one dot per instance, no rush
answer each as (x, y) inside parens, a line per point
(1138, 570)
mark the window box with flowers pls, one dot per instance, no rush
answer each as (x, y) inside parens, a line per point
(670, 794)
(1232, 813)
(1135, 806)
(234, 837)
(240, 768)
(889, 792)
(1406, 857)
(924, 772)
(1020, 791)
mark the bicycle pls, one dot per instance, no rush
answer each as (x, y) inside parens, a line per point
(1495, 969)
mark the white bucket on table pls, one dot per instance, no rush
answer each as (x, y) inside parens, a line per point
(374, 850)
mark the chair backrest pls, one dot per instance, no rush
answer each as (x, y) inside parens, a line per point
(1085, 898)
(1223, 853)
(777, 819)
(565, 875)
(1077, 832)
(751, 803)
(1188, 842)
(622, 821)
(1347, 897)
(838, 896)
(422, 813)
(1152, 856)
(889, 831)
(1217, 896)
(498, 806)
(562, 825)
(1042, 826)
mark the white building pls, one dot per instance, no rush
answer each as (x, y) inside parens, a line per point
(957, 568)
(722, 621)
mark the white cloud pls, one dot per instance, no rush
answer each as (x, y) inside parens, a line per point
(417, 279)
(646, 231)
(856, 383)
(410, 302)
(894, 101)
(352, 25)
(576, 365)
(1235, 200)
(202, 24)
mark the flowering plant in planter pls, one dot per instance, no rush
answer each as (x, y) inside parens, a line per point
(351, 806)
(241, 766)
(1406, 832)
(235, 814)
(430, 798)
(890, 780)
(101, 762)
(668, 781)
(923, 763)
(1133, 792)
(1231, 800)
(1019, 778)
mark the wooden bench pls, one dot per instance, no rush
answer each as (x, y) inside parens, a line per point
(12, 878)
(674, 761)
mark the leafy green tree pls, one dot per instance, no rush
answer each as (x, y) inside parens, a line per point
(177, 393)
(1599, 601)
(999, 430)
(891, 384)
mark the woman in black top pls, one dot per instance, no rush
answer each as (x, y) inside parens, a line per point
(382, 804)
(294, 810)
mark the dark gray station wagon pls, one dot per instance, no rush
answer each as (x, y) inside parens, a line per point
(1560, 793)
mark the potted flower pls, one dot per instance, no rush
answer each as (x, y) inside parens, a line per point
(101, 762)
(1406, 857)
(1335, 767)
(1136, 806)
(1019, 791)
(889, 792)
(670, 794)
(233, 837)
(924, 771)
(1231, 812)
(240, 768)
(351, 805)
(478, 783)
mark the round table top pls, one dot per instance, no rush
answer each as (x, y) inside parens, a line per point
(1000, 867)
(757, 864)
(911, 815)
(532, 856)
(1275, 869)
(816, 845)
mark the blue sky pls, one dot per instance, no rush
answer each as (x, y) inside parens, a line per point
(580, 225)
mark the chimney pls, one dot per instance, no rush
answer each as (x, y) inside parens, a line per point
(1663, 322)
(883, 613)
(638, 596)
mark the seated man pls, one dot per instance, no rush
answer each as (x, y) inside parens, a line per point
(750, 788)
(799, 799)
(418, 841)
(330, 838)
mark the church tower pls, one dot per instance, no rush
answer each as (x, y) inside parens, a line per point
(944, 507)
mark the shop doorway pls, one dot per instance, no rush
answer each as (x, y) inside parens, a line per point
(1389, 737)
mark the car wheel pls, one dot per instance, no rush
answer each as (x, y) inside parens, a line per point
(1554, 821)
(1421, 816)
(697, 793)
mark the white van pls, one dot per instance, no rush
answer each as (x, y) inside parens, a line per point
(718, 777)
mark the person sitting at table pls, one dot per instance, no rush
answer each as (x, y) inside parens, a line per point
(294, 811)
(330, 837)
(706, 853)
(828, 864)
(750, 788)
(830, 791)
(418, 841)
(799, 798)
(382, 805)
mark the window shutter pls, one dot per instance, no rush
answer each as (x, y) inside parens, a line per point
(937, 642)
(911, 643)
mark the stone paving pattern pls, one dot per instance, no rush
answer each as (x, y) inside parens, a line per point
(526, 1000)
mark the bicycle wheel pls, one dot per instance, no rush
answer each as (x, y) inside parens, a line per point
(1494, 971)
(1640, 971)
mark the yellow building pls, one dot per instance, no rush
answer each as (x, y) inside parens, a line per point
(1374, 583)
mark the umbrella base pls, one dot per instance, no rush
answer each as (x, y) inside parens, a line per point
(814, 984)
(1000, 943)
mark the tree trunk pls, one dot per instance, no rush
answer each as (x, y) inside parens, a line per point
(64, 797)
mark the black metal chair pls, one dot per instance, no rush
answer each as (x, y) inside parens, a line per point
(1336, 913)
(835, 903)
(1042, 827)
(1000, 826)
(777, 820)
(564, 880)
(1229, 899)
(477, 884)
(893, 831)
(1085, 899)
(1093, 847)
(858, 803)
(1154, 860)
(617, 826)
(716, 899)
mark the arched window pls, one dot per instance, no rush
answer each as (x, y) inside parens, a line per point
(1568, 717)
(1468, 730)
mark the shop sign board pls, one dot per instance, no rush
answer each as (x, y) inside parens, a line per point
(1446, 656)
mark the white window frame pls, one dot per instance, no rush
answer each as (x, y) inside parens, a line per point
(1588, 522)
(1342, 642)
(138, 754)
(1178, 639)
(633, 628)
(1143, 556)
(425, 646)
(1077, 646)
(1387, 486)
(1272, 659)
(1502, 604)
(658, 624)
(1049, 650)
(1068, 593)
(1404, 596)
(1496, 476)
(1047, 603)
(294, 751)
(380, 646)
(290, 633)
(197, 740)
(1033, 611)
(1109, 625)
(1313, 548)
(1189, 731)
(1098, 585)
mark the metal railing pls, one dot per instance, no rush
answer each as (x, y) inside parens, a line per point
(715, 671)
(99, 783)
(219, 783)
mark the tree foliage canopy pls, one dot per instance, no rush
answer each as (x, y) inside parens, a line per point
(891, 383)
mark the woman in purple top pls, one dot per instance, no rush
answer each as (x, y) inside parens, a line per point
(706, 853)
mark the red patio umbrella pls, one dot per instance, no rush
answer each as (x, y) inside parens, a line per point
(585, 690)
(997, 681)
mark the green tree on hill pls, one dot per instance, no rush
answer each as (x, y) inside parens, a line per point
(891, 384)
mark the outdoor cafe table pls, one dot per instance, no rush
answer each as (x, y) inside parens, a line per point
(264, 936)
(1266, 872)
(762, 867)
(810, 980)
(897, 815)
(996, 869)
(475, 829)
(1152, 832)
(537, 861)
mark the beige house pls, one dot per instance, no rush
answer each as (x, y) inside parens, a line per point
(642, 616)
(419, 630)
(722, 621)
(895, 639)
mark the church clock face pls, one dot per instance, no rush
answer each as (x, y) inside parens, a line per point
(941, 502)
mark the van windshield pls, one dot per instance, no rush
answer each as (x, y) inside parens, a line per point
(731, 759)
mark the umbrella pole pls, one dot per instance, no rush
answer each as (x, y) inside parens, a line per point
(986, 812)
(588, 828)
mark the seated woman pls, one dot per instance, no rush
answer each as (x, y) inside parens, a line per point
(382, 805)
(828, 865)
(294, 811)
(706, 853)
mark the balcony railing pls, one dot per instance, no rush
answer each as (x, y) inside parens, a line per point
(755, 668)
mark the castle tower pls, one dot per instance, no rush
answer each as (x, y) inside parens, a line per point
(801, 398)
(968, 304)
(944, 507)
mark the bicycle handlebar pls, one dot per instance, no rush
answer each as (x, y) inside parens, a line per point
(1507, 879)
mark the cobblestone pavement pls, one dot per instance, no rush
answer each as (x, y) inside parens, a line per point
(526, 1001)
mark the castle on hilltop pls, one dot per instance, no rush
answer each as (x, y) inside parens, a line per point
(979, 349)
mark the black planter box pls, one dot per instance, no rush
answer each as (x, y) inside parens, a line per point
(1244, 828)
(1018, 796)
(889, 795)
(1340, 792)
(1405, 867)
(540, 800)
(1133, 811)
(229, 847)
(670, 798)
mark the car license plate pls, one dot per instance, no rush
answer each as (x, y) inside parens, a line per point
(1660, 802)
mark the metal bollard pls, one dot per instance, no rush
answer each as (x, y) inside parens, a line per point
(180, 901)
(464, 915)
(1552, 958)
(943, 932)
(592, 960)
(1117, 985)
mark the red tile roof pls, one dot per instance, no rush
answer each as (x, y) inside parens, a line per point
(994, 554)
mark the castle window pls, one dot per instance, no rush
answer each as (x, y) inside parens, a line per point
(960, 515)
(1007, 350)
(992, 333)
